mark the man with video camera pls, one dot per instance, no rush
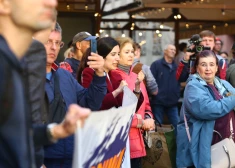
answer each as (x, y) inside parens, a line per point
(204, 41)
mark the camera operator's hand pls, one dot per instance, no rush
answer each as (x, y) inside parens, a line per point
(187, 56)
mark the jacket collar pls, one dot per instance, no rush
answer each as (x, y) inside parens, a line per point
(217, 82)
(8, 54)
(165, 63)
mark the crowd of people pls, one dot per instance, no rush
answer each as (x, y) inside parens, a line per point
(42, 100)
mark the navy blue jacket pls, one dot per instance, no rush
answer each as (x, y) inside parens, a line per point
(16, 140)
(74, 63)
(168, 87)
(73, 92)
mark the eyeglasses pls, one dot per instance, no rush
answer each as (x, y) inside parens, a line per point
(59, 44)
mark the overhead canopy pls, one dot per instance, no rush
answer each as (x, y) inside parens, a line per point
(189, 15)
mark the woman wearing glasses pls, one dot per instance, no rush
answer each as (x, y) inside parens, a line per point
(208, 105)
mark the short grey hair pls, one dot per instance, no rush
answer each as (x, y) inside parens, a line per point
(58, 28)
(166, 46)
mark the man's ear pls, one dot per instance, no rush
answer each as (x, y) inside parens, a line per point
(5, 7)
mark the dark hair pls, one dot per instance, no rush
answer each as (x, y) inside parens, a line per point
(105, 46)
(83, 64)
(136, 46)
(69, 44)
(203, 54)
(224, 52)
(182, 46)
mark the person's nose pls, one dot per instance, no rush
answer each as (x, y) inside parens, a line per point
(207, 67)
(53, 46)
(117, 58)
(131, 54)
(51, 3)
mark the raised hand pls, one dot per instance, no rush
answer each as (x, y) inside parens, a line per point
(120, 88)
(140, 77)
(96, 62)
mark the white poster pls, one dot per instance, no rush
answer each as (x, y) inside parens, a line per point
(102, 141)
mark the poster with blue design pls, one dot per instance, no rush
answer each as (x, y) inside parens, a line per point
(102, 142)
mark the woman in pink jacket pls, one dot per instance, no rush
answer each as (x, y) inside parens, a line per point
(143, 118)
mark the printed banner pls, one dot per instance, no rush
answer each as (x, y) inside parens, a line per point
(101, 143)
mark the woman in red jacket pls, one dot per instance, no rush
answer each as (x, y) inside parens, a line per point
(143, 117)
(109, 49)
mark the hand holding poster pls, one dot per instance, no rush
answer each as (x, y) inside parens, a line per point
(102, 141)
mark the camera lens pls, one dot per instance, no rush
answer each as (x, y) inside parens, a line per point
(199, 48)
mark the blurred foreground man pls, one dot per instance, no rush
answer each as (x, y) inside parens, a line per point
(19, 20)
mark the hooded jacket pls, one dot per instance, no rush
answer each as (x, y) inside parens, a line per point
(16, 131)
(201, 110)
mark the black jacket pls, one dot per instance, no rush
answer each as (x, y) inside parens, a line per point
(16, 131)
(34, 63)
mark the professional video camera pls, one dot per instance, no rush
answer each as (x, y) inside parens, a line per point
(195, 48)
(196, 40)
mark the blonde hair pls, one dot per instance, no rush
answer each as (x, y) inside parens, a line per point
(123, 41)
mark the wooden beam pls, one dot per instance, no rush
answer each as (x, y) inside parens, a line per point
(153, 4)
(176, 28)
(103, 5)
(139, 10)
(125, 8)
(164, 20)
(98, 18)
(146, 29)
(75, 2)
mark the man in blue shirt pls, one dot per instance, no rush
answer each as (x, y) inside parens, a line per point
(62, 90)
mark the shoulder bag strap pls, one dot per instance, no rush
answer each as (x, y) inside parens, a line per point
(186, 127)
(231, 129)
